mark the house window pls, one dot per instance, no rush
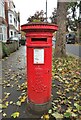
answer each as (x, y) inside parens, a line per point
(14, 33)
(5, 33)
(2, 11)
(14, 20)
(10, 18)
(11, 33)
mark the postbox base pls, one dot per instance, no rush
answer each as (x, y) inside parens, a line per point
(39, 108)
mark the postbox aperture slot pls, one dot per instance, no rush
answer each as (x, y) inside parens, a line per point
(39, 39)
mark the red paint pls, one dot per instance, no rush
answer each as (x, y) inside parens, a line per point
(39, 76)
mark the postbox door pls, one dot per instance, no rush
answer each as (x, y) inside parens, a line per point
(39, 74)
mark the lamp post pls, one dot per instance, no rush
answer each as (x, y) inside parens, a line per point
(46, 10)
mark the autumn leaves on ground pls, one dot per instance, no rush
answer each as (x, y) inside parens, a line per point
(67, 86)
(66, 91)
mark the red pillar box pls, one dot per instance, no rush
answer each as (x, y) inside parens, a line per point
(39, 64)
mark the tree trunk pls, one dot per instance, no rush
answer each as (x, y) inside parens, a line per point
(80, 32)
(80, 22)
(60, 48)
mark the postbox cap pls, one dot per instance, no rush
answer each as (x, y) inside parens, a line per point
(39, 26)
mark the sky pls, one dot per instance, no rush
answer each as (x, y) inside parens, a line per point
(27, 8)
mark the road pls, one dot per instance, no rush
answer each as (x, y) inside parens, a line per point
(73, 49)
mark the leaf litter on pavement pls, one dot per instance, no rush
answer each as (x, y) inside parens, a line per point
(13, 79)
(66, 90)
(66, 102)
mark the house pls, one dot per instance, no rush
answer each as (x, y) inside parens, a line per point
(3, 23)
(9, 20)
(12, 18)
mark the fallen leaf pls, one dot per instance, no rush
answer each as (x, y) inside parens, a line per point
(0, 100)
(0, 111)
(46, 117)
(18, 103)
(3, 106)
(50, 111)
(10, 70)
(8, 85)
(74, 115)
(67, 114)
(77, 106)
(11, 102)
(57, 115)
(4, 114)
(15, 114)
(7, 103)
(74, 110)
(7, 94)
(0, 105)
(23, 99)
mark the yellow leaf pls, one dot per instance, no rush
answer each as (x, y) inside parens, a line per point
(11, 102)
(7, 103)
(15, 115)
(3, 106)
(46, 117)
(57, 115)
(18, 103)
(4, 114)
(23, 99)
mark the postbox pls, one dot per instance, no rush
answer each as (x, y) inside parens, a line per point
(39, 64)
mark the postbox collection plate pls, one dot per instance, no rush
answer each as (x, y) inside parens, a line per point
(38, 56)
